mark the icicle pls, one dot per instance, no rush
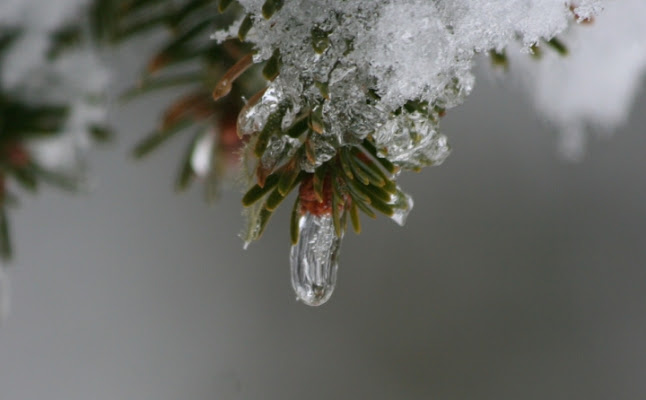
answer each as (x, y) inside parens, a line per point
(314, 259)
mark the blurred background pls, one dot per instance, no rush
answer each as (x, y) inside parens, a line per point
(517, 276)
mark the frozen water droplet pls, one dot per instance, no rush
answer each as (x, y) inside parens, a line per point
(323, 152)
(279, 149)
(314, 259)
(411, 140)
(403, 205)
(253, 119)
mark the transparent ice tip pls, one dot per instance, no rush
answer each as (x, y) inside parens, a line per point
(314, 259)
(403, 204)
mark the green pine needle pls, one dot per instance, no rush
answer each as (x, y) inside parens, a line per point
(245, 27)
(272, 67)
(354, 218)
(288, 177)
(223, 5)
(271, 7)
(257, 192)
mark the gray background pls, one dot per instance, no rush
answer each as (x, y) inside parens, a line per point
(518, 276)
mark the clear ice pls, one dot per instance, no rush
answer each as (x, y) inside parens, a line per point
(403, 204)
(314, 259)
(411, 140)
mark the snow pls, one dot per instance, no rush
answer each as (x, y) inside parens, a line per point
(381, 56)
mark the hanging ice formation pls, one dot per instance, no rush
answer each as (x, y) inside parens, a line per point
(314, 259)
